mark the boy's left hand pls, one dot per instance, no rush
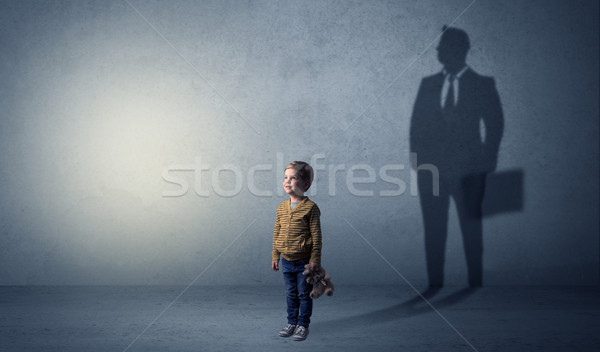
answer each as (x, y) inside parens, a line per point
(314, 266)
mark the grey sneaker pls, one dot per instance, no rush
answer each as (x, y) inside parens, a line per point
(287, 331)
(300, 333)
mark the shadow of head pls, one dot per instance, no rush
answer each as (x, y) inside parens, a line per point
(453, 47)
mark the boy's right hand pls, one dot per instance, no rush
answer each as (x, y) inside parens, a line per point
(275, 265)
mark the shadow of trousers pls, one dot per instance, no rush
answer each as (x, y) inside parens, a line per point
(467, 192)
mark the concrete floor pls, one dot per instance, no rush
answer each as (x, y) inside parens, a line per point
(224, 318)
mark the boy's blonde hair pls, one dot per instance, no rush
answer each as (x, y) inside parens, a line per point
(304, 170)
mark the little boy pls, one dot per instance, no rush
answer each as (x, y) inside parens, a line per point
(297, 238)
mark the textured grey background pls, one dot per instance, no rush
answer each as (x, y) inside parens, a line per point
(98, 100)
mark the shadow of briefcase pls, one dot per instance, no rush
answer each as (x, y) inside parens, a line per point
(503, 193)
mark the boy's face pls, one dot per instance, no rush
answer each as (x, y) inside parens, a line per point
(292, 184)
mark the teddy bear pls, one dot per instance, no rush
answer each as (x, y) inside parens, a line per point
(320, 280)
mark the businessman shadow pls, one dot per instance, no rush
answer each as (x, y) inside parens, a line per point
(456, 128)
(421, 303)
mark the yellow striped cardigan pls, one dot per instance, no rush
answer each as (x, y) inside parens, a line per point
(297, 232)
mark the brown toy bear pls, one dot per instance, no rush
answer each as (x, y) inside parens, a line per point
(320, 280)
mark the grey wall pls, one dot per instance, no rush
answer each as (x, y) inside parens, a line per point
(99, 100)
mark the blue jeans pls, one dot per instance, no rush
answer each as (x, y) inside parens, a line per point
(299, 303)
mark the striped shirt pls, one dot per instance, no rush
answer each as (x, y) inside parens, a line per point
(297, 232)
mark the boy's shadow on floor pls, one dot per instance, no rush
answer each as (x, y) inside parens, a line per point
(419, 304)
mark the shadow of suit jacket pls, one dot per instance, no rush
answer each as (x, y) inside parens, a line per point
(453, 142)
